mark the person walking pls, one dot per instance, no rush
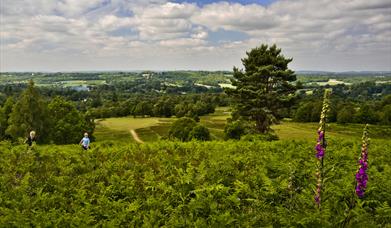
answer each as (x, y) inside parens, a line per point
(30, 139)
(85, 142)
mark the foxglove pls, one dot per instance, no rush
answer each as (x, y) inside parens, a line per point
(320, 147)
(361, 175)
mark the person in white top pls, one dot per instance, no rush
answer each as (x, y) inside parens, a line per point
(85, 142)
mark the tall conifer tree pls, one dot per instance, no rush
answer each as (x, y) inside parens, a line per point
(263, 88)
(5, 112)
(29, 113)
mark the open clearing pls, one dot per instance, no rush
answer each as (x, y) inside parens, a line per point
(152, 129)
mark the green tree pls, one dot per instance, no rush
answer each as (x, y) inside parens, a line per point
(181, 110)
(366, 114)
(316, 110)
(386, 115)
(386, 100)
(304, 112)
(68, 124)
(236, 129)
(263, 88)
(164, 107)
(346, 114)
(143, 108)
(200, 132)
(181, 129)
(29, 113)
(5, 113)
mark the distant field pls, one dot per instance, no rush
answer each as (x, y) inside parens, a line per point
(119, 128)
(152, 129)
(297, 131)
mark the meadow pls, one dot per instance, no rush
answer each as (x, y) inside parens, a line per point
(152, 129)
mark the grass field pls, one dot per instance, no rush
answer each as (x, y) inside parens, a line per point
(152, 129)
(148, 129)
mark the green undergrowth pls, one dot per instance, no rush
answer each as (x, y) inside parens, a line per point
(208, 184)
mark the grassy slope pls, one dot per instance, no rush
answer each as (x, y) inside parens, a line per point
(152, 129)
(111, 128)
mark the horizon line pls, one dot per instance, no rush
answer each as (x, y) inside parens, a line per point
(191, 70)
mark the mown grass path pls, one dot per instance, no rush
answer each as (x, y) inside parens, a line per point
(135, 136)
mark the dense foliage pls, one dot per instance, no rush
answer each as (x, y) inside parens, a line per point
(154, 105)
(263, 88)
(186, 129)
(57, 121)
(30, 112)
(212, 184)
(345, 111)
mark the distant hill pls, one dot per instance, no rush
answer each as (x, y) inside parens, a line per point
(345, 73)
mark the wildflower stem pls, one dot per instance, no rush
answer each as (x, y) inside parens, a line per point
(321, 148)
(361, 174)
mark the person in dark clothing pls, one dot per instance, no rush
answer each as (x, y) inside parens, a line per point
(31, 138)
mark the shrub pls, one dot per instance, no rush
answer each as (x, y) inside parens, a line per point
(181, 129)
(200, 132)
(235, 129)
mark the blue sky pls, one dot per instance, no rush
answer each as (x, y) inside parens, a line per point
(71, 35)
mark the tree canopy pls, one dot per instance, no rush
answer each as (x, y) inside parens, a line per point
(57, 121)
(29, 113)
(263, 88)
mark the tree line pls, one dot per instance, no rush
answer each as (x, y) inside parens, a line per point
(346, 110)
(55, 121)
(144, 105)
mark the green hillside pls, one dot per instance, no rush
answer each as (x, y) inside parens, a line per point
(172, 184)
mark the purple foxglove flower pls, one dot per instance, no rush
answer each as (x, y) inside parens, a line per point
(320, 147)
(361, 175)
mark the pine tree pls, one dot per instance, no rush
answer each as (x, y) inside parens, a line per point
(29, 113)
(5, 112)
(263, 88)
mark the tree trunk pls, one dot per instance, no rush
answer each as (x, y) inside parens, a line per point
(262, 124)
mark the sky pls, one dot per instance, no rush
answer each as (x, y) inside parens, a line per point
(126, 35)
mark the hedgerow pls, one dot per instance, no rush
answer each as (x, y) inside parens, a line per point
(193, 184)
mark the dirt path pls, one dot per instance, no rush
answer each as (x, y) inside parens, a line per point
(135, 136)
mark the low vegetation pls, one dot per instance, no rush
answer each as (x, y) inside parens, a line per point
(233, 183)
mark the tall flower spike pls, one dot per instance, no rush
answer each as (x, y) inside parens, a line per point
(320, 147)
(361, 175)
(321, 142)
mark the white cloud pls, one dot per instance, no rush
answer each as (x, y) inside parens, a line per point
(169, 11)
(186, 42)
(143, 31)
(235, 17)
(166, 21)
(112, 22)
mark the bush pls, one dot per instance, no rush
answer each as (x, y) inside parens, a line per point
(235, 129)
(181, 129)
(200, 132)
